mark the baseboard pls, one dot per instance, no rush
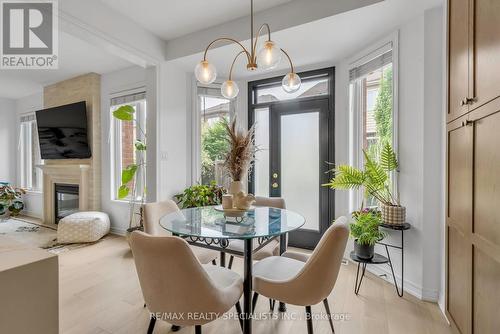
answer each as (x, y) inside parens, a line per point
(32, 214)
(409, 287)
(118, 231)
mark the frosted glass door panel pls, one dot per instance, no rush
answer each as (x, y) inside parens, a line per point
(261, 167)
(300, 165)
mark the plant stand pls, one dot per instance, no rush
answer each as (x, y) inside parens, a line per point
(379, 259)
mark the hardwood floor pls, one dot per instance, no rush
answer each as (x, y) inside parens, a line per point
(100, 294)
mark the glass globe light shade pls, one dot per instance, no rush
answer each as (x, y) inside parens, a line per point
(269, 56)
(229, 89)
(205, 72)
(291, 82)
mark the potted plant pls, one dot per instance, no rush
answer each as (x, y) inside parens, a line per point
(129, 187)
(240, 155)
(200, 195)
(365, 231)
(11, 200)
(376, 180)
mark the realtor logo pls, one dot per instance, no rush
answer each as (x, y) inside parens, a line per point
(29, 37)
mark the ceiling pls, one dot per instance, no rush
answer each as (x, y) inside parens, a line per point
(76, 57)
(324, 41)
(169, 19)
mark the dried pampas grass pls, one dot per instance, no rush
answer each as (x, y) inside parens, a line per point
(241, 152)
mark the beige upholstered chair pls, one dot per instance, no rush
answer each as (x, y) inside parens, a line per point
(273, 247)
(176, 285)
(304, 283)
(153, 212)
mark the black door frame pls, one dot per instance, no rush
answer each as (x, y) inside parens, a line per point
(328, 209)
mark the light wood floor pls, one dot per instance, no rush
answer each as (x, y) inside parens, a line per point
(100, 293)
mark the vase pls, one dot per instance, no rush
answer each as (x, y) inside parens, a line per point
(362, 251)
(393, 214)
(235, 187)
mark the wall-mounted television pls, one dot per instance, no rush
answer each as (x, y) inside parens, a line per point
(62, 132)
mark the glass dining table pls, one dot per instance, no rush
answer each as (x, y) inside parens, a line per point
(212, 228)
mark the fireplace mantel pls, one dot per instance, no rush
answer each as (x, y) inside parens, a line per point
(77, 174)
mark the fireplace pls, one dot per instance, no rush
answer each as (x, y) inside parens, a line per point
(66, 200)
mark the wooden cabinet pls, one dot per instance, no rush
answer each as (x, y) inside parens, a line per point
(458, 55)
(473, 167)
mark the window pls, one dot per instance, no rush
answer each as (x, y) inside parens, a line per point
(126, 134)
(213, 110)
(372, 106)
(29, 157)
(310, 87)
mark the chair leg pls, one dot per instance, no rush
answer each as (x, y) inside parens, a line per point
(197, 329)
(214, 262)
(254, 301)
(238, 313)
(272, 302)
(309, 320)
(230, 265)
(151, 326)
(327, 308)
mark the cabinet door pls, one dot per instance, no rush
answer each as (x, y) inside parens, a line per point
(459, 227)
(486, 225)
(486, 51)
(458, 57)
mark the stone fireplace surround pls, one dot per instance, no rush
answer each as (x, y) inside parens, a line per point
(86, 173)
(63, 174)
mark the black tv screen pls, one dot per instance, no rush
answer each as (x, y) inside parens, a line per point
(62, 132)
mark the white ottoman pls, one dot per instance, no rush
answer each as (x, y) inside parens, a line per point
(79, 227)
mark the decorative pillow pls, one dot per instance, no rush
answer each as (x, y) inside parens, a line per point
(86, 226)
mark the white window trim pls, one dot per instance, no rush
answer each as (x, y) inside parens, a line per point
(355, 154)
(20, 156)
(115, 143)
(196, 130)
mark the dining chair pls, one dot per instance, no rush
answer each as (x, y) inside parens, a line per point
(153, 212)
(193, 296)
(307, 283)
(273, 247)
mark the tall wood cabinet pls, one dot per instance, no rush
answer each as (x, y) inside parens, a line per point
(473, 167)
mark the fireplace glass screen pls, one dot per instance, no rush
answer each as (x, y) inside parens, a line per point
(66, 200)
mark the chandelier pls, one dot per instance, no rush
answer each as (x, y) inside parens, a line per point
(267, 58)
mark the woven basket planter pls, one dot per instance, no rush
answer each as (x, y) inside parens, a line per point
(394, 215)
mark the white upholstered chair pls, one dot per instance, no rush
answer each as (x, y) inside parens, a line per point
(176, 285)
(153, 212)
(273, 247)
(295, 282)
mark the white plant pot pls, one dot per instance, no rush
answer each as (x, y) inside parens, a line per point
(235, 187)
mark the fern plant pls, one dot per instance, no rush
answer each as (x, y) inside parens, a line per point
(374, 178)
(365, 227)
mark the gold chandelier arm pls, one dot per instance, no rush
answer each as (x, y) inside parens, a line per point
(265, 25)
(230, 40)
(289, 60)
(232, 64)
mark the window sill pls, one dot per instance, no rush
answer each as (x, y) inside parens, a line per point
(125, 201)
(34, 192)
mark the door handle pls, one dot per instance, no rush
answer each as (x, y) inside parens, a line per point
(275, 185)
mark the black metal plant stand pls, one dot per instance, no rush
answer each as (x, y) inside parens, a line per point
(379, 259)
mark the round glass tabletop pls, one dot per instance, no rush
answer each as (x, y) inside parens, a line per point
(207, 222)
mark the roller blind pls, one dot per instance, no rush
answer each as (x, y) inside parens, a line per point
(115, 101)
(370, 66)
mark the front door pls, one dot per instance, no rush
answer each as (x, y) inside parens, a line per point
(293, 138)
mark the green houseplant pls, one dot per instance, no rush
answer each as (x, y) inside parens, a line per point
(11, 200)
(365, 231)
(375, 179)
(129, 187)
(200, 195)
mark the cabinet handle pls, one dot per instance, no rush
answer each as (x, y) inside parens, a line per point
(467, 123)
(470, 100)
(463, 102)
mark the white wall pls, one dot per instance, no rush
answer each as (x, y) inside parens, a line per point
(8, 140)
(420, 154)
(112, 84)
(33, 200)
